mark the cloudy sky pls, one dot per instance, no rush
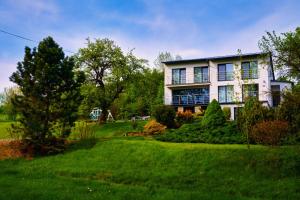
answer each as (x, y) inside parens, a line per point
(190, 28)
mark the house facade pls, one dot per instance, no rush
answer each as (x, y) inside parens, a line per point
(192, 84)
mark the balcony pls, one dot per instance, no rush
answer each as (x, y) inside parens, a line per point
(195, 99)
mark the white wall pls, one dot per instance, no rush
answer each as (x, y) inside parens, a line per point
(263, 79)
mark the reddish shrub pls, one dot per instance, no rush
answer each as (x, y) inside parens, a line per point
(153, 127)
(269, 132)
(184, 117)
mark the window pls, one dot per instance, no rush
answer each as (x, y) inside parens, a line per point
(191, 96)
(225, 72)
(226, 94)
(250, 90)
(178, 76)
(249, 70)
(201, 74)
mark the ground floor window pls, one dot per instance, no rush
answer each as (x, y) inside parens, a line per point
(250, 90)
(237, 112)
(190, 96)
(225, 94)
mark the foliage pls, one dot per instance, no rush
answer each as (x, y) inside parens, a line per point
(8, 108)
(289, 109)
(134, 124)
(184, 117)
(196, 133)
(153, 128)
(136, 101)
(109, 69)
(227, 112)
(214, 116)
(84, 131)
(165, 115)
(49, 96)
(269, 132)
(252, 113)
(285, 52)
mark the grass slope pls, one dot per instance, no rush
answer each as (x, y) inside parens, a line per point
(142, 168)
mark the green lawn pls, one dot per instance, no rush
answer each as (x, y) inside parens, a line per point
(142, 168)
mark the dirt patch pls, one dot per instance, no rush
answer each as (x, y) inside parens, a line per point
(10, 149)
(136, 134)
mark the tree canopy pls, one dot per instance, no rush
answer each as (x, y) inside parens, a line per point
(108, 68)
(285, 50)
(49, 94)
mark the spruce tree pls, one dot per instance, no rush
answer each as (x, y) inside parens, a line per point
(49, 95)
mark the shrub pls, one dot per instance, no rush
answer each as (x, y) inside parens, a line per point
(289, 109)
(269, 132)
(196, 133)
(214, 116)
(165, 115)
(84, 131)
(153, 127)
(227, 112)
(184, 117)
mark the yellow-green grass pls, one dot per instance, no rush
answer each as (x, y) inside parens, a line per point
(4, 133)
(141, 168)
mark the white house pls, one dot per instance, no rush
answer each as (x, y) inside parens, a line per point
(192, 84)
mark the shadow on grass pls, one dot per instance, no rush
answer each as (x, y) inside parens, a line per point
(75, 145)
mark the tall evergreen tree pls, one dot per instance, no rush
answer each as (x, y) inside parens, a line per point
(50, 94)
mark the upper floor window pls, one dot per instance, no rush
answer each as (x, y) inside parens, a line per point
(225, 72)
(226, 94)
(249, 70)
(250, 90)
(178, 76)
(201, 75)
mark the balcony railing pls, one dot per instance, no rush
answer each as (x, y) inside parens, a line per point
(202, 78)
(225, 76)
(190, 99)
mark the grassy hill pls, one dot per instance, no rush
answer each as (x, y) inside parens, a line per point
(119, 167)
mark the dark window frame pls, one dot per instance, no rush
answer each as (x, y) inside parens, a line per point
(202, 74)
(250, 75)
(225, 71)
(179, 83)
(225, 93)
(243, 86)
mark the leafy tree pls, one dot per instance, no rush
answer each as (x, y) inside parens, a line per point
(289, 109)
(109, 69)
(8, 108)
(285, 50)
(49, 96)
(252, 113)
(214, 116)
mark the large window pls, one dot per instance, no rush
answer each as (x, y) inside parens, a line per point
(225, 72)
(191, 96)
(249, 70)
(178, 76)
(201, 75)
(250, 90)
(226, 94)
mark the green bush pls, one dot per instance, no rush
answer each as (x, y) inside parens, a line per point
(289, 109)
(165, 115)
(214, 116)
(227, 112)
(196, 133)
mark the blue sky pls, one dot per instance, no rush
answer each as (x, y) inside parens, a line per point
(189, 28)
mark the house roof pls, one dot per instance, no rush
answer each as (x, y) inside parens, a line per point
(248, 55)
